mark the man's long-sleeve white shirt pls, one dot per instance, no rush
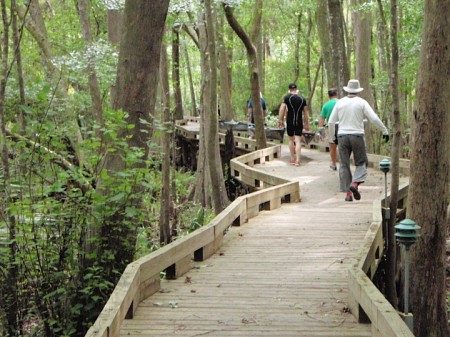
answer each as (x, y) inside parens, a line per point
(350, 113)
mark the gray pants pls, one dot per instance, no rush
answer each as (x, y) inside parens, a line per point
(348, 144)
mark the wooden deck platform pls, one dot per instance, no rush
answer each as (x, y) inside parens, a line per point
(283, 273)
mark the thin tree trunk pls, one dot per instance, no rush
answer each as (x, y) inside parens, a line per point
(308, 59)
(313, 87)
(395, 156)
(164, 214)
(94, 87)
(297, 48)
(384, 57)
(337, 37)
(194, 111)
(254, 77)
(226, 107)
(178, 113)
(202, 193)
(219, 194)
(323, 29)
(256, 38)
(18, 59)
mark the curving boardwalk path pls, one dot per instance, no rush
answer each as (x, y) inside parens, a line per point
(284, 273)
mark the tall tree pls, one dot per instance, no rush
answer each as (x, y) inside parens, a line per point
(164, 216)
(94, 87)
(297, 48)
(254, 76)
(226, 106)
(341, 72)
(323, 25)
(202, 193)
(384, 58)
(136, 85)
(114, 18)
(178, 113)
(18, 60)
(429, 192)
(219, 195)
(362, 30)
(395, 157)
(194, 111)
(257, 40)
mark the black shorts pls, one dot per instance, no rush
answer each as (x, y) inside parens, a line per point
(293, 130)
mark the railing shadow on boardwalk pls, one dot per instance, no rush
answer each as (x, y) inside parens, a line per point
(141, 278)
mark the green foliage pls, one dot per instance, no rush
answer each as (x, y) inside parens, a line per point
(198, 221)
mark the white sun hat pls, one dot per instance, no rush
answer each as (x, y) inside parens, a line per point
(353, 87)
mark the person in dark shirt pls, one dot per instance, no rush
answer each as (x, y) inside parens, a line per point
(250, 116)
(296, 110)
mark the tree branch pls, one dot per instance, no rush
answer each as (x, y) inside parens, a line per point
(63, 163)
(251, 50)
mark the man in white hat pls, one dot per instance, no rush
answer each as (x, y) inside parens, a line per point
(350, 112)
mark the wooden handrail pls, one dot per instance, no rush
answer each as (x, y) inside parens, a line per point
(366, 301)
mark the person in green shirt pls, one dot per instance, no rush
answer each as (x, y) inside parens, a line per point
(323, 125)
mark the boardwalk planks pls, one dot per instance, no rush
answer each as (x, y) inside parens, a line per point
(284, 273)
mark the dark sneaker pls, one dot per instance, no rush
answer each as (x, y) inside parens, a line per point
(348, 198)
(355, 192)
(333, 167)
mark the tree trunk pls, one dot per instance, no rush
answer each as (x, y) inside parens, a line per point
(308, 61)
(136, 85)
(176, 74)
(428, 193)
(202, 192)
(261, 142)
(18, 59)
(384, 56)
(219, 194)
(297, 48)
(362, 31)
(313, 87)
(226, 106)
(256, 38)
(164, 214)
(341, 72)
(323, 32)
(115, 21)
(395, 156)
(194, 111)
(94, 87)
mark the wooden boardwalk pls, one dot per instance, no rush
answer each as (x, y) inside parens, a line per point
(283, 273)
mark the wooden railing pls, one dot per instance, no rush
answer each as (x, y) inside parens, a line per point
(141, 278)
(366, 302)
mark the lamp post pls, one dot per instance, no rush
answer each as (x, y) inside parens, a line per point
(407, 234)
(385, 166)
